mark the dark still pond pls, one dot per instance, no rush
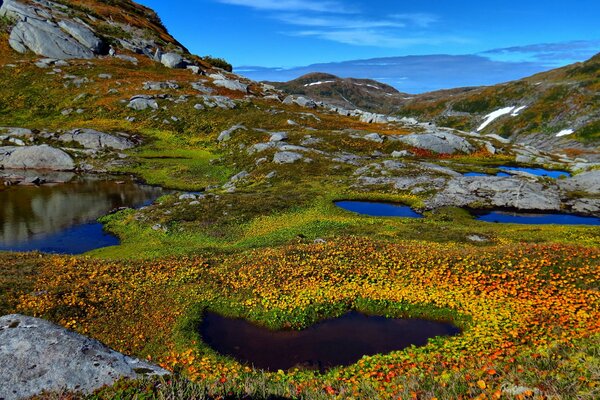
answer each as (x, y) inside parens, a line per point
(335, 342)
(509, 217)
(61, 218)
(378, 209)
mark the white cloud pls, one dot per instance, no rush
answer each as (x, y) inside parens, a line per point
(367, 37)
(291, 5)
(338, 22)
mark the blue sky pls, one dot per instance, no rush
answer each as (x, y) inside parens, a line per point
(291, 33)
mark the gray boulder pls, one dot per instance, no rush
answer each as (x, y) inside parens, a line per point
(38, 356)
(46, 39)
(141, 103)
(83, 35)
(287, 157)
(172, 60)
(279, 137)
(95, 140)
(160, 85)
(438, 142)
(374, 137)
(231, 85)
(226, 134)
(588, 182)
(35, 157)
(492, 191)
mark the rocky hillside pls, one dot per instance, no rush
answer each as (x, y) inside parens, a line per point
(349, 93)
(553, 110)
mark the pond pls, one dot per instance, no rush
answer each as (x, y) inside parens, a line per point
(335, 342)
(511, 217)
(505, 171)
(61, 218)
(378, 209)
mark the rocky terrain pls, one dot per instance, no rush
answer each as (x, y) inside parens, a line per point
(101, 87)
(37, 355)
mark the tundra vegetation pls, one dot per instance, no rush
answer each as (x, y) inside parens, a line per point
(250, 230)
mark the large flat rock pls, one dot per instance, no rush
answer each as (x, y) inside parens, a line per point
(35, 157)
(36, 356)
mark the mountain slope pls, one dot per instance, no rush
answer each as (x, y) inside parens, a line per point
(348, 93)
(547, 108)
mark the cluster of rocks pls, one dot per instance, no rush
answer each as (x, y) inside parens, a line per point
(38, 356)
(30, 149)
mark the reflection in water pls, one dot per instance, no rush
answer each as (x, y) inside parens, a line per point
(62, 217)
(339, 341)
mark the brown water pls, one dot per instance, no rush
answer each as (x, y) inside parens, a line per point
(334, 342)
(61, 218)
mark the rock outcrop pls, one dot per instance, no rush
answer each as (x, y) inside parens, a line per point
(492, 191)
(45, 32)
(439, 142)
(35, 157)
(37, 356)
(95, 140)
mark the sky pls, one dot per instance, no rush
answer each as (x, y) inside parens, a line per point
(285, 34)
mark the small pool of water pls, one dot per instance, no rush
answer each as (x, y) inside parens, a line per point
(61, 218)
(509, 217)
(334, 342)
(505, 172)
(378, 209)
(536, 171)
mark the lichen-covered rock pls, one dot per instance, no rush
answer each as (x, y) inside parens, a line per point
(492, 191)
(37, 356)
(95, 140)
(35, 157)
(172, 60)
(438, 142)
(588, 182)
(141, 103)
(287, 157)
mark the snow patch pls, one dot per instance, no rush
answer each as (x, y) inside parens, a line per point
(317, 83)
(516, 112)
(565, 132)
(496, 114)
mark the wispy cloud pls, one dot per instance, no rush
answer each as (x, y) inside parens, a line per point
(291, 5)
(551, 53)
(368, 37)
(339, 22)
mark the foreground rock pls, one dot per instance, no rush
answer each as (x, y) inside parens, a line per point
(35, 157)
(37, 356)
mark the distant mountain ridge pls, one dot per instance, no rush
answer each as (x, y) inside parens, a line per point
(348, 93)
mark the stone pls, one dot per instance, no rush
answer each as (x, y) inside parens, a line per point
(83, 35)
(588, 182)
(492, 191)
(226, 134)
(92, 139)
(231, 85)
(374, 137)
(239, 177)
(187, 196)
(172, 60)
(279, 137)
(402, 153)
(371, 118)
(160, 85)
(46, 39)
(140, 103)
(199, 86)
(286, 157)
(438, 142)
(35, 157)
(125, 57)
(38, 356)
